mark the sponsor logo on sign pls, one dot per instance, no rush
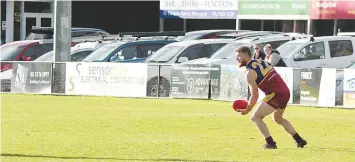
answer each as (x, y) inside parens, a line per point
(21, 77)
(107, 79)
(351, 83)
(324, 4)
(298, 5)
(306, 75)
(190, 85)
(72, 79)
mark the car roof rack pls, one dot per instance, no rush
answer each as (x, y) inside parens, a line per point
(243, 36)
(150, 34)
(247, 34)
(292, 35)
(100, 38)
(131, 38)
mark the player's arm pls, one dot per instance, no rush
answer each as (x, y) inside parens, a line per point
(275, 58)
(250, 76)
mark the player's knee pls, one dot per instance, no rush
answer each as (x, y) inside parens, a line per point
(255, 118)
(278, 120)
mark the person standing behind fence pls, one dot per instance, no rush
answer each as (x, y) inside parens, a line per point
(258, 53)
(273, 57)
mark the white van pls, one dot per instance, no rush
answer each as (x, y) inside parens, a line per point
(319, 52)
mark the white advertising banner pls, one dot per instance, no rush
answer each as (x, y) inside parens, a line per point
(349, 88)
(199, 9)
(106, 79)
(327, 88)
(286, 74)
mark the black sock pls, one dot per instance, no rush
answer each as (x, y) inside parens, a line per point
(297, 138)
(269, 140)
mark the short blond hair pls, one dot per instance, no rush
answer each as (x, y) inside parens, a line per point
(268, 46)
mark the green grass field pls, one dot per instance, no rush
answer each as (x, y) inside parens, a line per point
(62, 128)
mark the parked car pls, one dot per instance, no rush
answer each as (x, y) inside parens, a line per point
(176, 53)
(78, 52)
(127, 50)
(179, 52)
(207, 34)
(27, 50)
(226, 55)
(48, 32)
(319, 52)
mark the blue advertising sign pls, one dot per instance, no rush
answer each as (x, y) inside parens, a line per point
(199, 9)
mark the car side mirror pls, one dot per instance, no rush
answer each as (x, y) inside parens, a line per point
(182, 59)
(26, 58)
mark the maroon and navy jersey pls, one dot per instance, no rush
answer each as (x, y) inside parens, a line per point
(268, 80)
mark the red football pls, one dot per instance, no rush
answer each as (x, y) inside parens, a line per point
(240, 105)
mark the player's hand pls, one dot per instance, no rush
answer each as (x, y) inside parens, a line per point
(244, 111)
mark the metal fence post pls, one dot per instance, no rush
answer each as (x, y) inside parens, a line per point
(158, 88)
(52, 79)
(209, 88)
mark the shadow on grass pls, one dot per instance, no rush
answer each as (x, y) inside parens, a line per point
(327, 149)
(334, 149)
(103, 158)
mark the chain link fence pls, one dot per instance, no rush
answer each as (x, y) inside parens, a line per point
(59, 78)
(158, 80)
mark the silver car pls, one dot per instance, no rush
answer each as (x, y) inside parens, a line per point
(176, 53)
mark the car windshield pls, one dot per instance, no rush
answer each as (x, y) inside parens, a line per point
(227, 51)
(78, 56)
(165, 54)
(9, 52)
(75, 55)
(288, 48)
(102, 52)
(46, 57)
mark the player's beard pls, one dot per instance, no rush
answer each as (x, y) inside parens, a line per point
(242, 63)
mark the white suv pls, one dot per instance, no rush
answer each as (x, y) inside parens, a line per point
(319, 52)
(183, 51)
(176, 53)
